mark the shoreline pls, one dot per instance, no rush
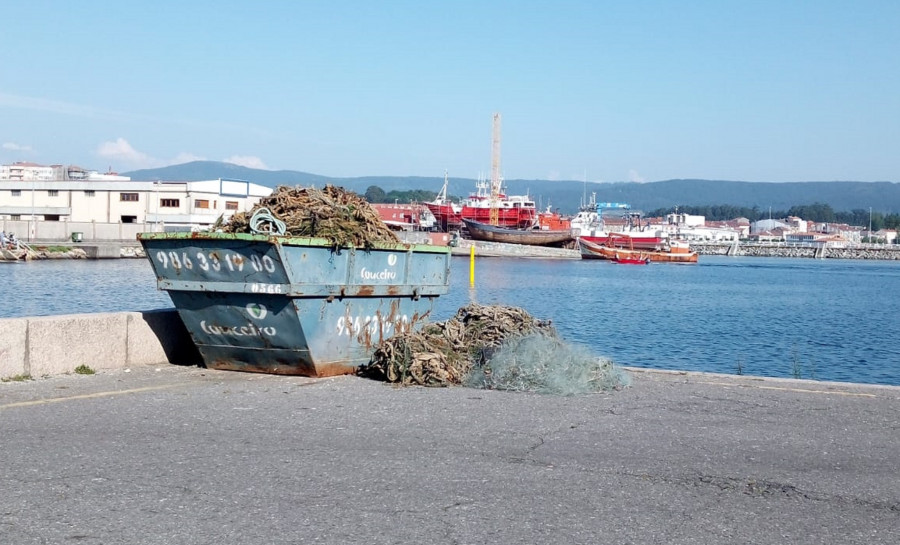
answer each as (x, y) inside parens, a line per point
(133, 250)
(40, 347)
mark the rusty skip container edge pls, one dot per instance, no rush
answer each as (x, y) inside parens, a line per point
(292, 305)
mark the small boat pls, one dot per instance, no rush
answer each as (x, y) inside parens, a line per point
(630, 241)
(631, 260)
(530, 237)
(676, 252)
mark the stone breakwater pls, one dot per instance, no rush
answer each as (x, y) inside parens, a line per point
(887, 253)
(87, 251)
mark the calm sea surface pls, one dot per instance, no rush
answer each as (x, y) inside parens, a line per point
(820, 319)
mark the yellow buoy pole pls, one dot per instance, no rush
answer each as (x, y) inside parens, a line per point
(472, 265)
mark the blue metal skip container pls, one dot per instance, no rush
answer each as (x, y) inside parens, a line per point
(294, 306)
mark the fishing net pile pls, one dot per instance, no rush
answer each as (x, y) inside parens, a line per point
(492, 347)
(333, 213)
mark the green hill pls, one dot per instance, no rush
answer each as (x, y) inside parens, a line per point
(567, 196)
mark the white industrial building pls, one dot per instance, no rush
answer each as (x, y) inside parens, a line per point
(38, 209)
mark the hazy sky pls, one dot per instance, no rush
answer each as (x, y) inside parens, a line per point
(785, 90)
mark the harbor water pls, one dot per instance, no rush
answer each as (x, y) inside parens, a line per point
(777, 317)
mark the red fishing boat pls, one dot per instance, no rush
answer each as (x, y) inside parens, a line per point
(514, 211)
(553, 221)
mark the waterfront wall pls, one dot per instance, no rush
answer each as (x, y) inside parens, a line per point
(60, 231)
(53, 345)
(864, 251)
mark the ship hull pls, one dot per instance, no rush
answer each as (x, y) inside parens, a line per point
(590, 250)
(530, 237)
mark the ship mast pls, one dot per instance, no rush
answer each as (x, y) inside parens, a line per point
(495, 172)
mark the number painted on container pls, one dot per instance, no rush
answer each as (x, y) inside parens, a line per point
(265, 288)
(212, 261)
(350, 325)
(264, 263)
(207, 263)
(174, 259)
(235, 262)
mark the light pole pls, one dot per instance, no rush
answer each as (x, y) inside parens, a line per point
(870, 224)
(156, 200)
(32, 228)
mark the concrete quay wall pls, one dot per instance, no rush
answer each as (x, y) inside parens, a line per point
(889, 253)
(54, 345)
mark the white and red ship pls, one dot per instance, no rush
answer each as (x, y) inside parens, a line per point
(514, 211)
(625, 231)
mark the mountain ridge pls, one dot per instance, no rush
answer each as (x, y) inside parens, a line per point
(567, 195)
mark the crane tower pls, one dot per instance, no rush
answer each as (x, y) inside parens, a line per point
(495, 172)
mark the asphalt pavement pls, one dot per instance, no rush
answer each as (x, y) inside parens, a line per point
(184, 455)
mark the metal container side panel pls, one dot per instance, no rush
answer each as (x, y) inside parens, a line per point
(400, 266)
(315, 265)
(253, 320)
(245, 332)
(216, 261)
(300, 266)
(310, 336)
(347, 332)
(275, 362)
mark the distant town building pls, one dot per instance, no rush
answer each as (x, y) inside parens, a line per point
(849, 233)
(810, 238)
(22, 171)
(774, 235)
(797, 224)
(889, 236)
(769, 225)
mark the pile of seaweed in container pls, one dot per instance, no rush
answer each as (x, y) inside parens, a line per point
(493, 347)
(333, 213)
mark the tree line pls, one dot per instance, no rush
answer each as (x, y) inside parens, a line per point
(378, 195)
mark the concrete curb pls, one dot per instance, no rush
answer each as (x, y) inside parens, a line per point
(52, 345)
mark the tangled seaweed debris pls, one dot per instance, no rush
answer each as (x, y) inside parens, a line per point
(547, 365)
(443, 353)
(333, 213)
(465, 350)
